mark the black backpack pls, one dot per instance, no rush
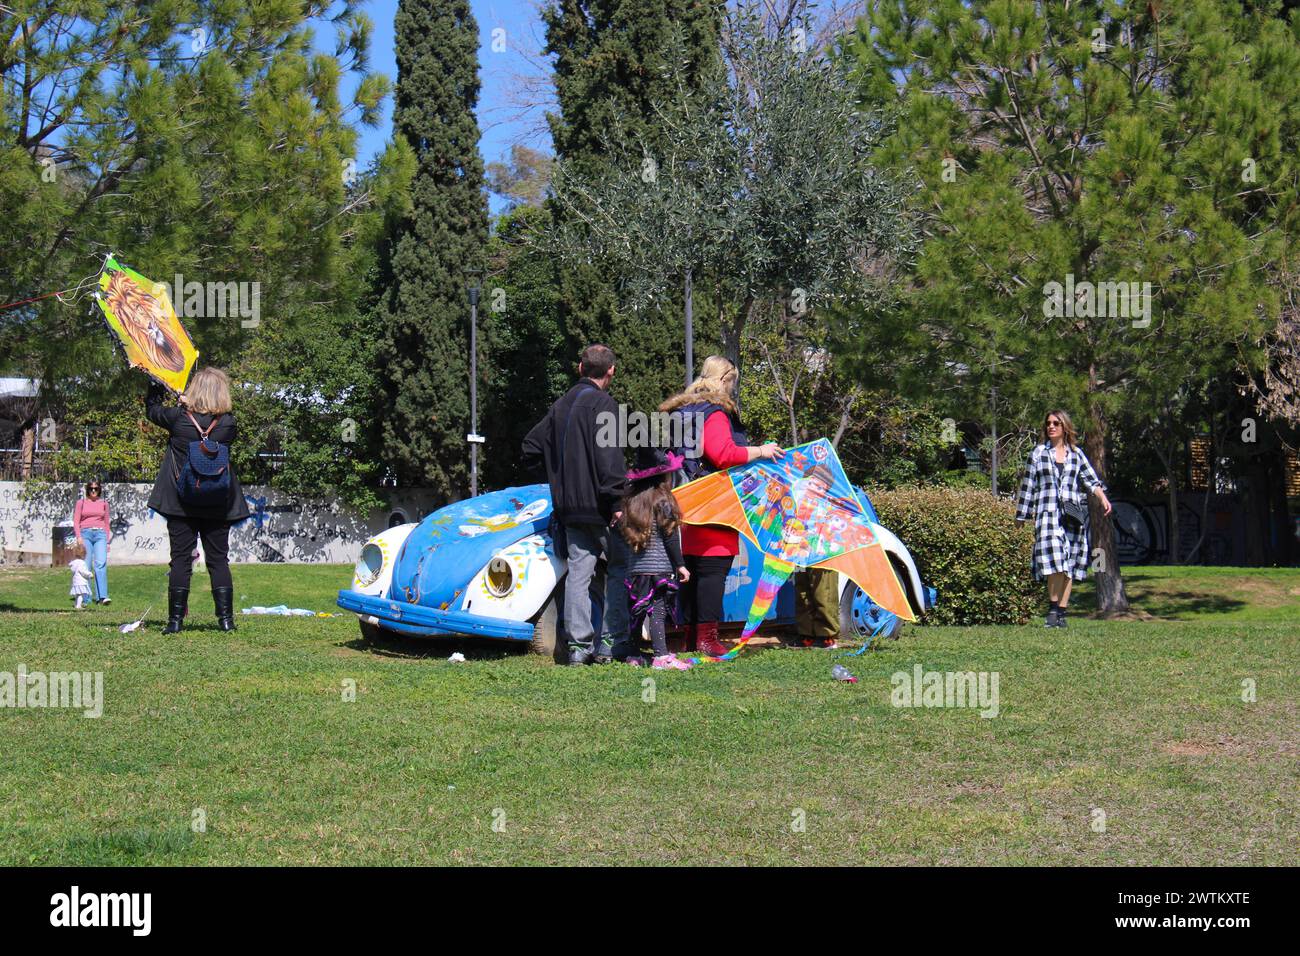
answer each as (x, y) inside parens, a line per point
(690, 420)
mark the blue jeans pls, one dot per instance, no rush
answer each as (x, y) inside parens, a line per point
(615, 622)
(583, 588)
(97, 551)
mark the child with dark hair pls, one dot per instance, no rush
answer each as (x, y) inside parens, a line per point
(650, 527)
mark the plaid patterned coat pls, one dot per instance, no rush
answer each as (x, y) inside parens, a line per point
(1056, 550)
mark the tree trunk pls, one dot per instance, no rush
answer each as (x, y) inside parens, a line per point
(1284, 550)
(1111, 596)
(1253, 495)
(28, 453)
(733, 330)
(731, 333)
(993, 422)
(1205, 517)
(1171, 476)
(1211, 484)
(845, 409)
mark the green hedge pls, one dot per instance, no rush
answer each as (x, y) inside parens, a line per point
(967, 547)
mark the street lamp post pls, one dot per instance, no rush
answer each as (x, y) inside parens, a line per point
(474, 438)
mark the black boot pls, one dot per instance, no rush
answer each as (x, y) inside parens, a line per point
(177, 601)
(223, 599)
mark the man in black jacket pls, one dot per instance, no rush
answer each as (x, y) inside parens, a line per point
(587, 479)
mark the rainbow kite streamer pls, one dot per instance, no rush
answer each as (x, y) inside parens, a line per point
(802, 512)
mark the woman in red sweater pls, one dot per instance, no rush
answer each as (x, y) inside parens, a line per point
(90, 525)
(710, 549)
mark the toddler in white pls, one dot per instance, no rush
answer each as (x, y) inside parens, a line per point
(80, 577)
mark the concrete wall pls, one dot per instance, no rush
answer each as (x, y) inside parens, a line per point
(281, 528)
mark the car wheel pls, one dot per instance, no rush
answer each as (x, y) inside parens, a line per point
(370, 633)
(861, 617)
(547, 637)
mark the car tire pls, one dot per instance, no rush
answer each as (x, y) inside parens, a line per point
(548, 640)
(851, 626)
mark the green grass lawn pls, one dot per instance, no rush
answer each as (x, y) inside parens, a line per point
(1142, 720)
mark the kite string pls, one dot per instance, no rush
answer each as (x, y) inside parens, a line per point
(81, 283)
(14, 305)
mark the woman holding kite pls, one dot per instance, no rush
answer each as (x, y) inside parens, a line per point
(203, 421)
(1055, 493)
(719, 444)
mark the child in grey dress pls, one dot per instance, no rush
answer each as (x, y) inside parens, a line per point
(655, 566)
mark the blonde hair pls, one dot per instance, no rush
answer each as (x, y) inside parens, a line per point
(1068, 433)
(209, 392)
(716, 383)
(717, 374)
(78, 548)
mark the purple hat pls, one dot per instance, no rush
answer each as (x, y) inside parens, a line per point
(653, 463)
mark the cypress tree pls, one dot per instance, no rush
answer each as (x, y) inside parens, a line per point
(425, 318)
(626, 60)
(615, 61)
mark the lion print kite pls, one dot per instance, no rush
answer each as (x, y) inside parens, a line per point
(142, 318)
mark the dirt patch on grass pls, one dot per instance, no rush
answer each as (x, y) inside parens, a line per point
(1257, 589)
(1131, 615)
(1230, 745)
(971, 788)
(1189, 748)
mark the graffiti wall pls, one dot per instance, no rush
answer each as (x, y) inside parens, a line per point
(280, 528)
(1142, 530)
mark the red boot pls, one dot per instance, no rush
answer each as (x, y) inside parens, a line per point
(707, 640)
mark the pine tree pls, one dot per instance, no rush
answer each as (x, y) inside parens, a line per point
(190, 137)
(1063, 146)
(426, 316)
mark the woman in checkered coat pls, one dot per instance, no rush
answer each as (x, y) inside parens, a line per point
(1059, 472)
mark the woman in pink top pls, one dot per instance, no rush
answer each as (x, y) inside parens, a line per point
(90, 525)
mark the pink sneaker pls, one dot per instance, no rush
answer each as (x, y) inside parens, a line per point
(669, 662)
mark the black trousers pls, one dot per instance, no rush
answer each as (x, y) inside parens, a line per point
(184, 532)
(703, 592)
(648, 596)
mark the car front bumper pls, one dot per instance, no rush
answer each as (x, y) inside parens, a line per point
(430, 621)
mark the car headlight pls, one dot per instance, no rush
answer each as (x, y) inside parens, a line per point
(369, 565)
(500, 577)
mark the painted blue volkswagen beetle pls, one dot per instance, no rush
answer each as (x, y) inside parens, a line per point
(485, 567)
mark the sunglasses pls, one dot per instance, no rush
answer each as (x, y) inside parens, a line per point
(1053, 424)
(94, 489)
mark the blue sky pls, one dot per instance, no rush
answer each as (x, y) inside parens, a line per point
(501, 118)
